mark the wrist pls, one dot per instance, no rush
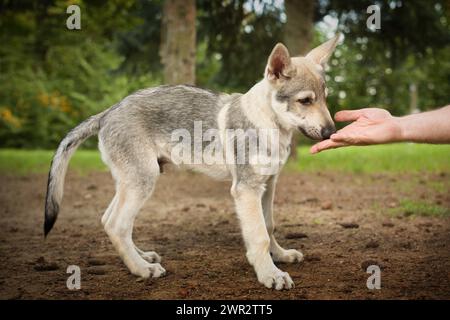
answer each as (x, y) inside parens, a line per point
(402, 130)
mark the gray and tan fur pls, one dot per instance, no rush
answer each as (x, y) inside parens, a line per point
(135, 140)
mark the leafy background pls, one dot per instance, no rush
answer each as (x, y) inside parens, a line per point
(52, 78)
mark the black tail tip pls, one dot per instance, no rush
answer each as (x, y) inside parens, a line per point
(51, 213)
(48, 225)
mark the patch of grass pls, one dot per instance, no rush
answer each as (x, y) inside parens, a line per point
(420, 208)
(22, 162)
(396, 158)
(439, 186)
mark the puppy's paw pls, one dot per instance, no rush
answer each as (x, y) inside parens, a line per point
(150, 270)
(156, 270)
(276, 279)
(150, 256)
(288, 256)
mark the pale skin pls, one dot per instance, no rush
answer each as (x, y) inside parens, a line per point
(378, 126)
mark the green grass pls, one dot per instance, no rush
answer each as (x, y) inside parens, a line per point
(22, 162)
(387, 158)
(420, 208)
(397, 158)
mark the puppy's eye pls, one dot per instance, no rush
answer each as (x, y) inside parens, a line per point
(305, 101)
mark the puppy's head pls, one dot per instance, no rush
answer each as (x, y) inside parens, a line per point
(299, 91)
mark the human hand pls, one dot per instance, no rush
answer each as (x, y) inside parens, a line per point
(370, 126)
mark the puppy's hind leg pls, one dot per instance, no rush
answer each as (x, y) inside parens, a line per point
(135, 182)
(106, 159)
(108, 211)
(150, 256)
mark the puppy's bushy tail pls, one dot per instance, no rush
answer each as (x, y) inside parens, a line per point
(58, 168)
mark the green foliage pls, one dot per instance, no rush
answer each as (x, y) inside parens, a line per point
(241, 36)
(139, 45)
(377, 68)
(52, 78)
(208, 66)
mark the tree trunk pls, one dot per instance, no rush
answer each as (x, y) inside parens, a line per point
(298, 37)
(177, 49)
(299, 28)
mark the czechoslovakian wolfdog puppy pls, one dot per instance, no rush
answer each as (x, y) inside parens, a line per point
(135, 141)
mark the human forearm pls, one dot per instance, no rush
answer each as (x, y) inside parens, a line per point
(428, 127)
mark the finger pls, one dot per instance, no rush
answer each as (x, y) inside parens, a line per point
(351, 139)
(346, 133)
(340, 137)
(348, 115)
(326, 144)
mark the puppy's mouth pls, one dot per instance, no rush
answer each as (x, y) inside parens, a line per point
(312, 137)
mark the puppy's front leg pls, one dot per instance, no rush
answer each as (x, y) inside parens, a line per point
(257, 241)
(278, 253)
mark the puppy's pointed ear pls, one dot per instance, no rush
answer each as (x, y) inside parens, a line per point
(279, 63)
(322, 53)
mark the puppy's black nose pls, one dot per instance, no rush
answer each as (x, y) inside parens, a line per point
(327, 131)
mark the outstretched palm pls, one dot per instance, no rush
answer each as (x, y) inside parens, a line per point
(370, 126)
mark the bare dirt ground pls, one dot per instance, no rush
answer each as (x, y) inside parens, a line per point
(190, 222)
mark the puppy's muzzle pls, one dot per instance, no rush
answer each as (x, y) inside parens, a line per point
(327, 131)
